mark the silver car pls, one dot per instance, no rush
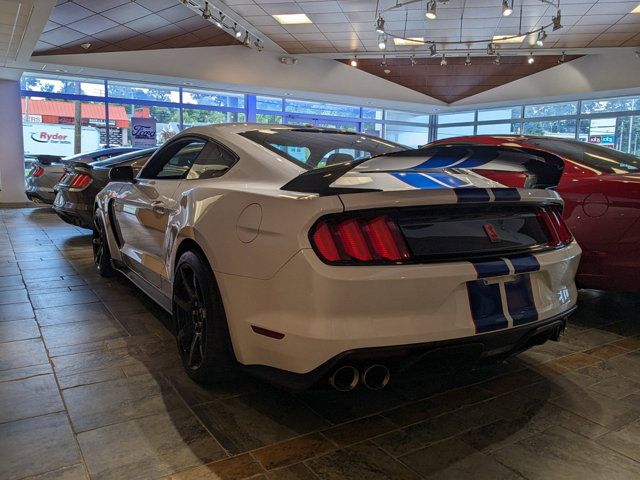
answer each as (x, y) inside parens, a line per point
(48, 170)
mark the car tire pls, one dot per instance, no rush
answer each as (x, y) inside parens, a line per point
(101, 253)
(201, 327)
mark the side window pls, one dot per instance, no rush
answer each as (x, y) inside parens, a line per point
(178, 165)
(138, 163)
(213, 162)
(173, 161)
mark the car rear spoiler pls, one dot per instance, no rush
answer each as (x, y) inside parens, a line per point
(319, 180)
(48, 159)
(71, 164)
(545, 166)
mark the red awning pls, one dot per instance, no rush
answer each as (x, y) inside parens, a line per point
(67, 109)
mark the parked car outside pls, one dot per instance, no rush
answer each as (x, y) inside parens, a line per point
(601, 190)
(43, 177)
(305, 255)
(77, 189)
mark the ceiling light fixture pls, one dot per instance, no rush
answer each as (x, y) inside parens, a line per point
(206, 13)
(491, 49)
(237, 33)
(292, 19)
(433, 49)
(354, 61)
(383, 64)
(246, 42)
(258, 44)
(405, 42)
(636, 10)
(557, 21)
(431, 10)
(496, 61)
(86, 46)
(467, 61)
(508, 38)
(382, 42)
(380, 25)
(561, 58)
(507, 8)
(542, 36)
(414, 62)
(530, 58)
(443, 62)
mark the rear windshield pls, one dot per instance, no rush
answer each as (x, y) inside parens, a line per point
(315, 148)
(120, 159)
(91, 157)
(603, 159)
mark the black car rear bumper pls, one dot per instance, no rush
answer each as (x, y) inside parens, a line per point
(441, 357)
(76, 213)
(38, 197)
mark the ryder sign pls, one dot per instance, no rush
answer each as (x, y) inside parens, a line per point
(143, 132)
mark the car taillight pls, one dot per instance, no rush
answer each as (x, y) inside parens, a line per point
(37, 172)
(360, 240)
(564, 234)
(558, 231)
(80, 180)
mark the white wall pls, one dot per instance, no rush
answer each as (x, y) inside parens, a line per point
(616, 72)
(242, 69)
(609, 71)
(11, 157)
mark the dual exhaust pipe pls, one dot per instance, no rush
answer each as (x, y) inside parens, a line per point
(347, 377)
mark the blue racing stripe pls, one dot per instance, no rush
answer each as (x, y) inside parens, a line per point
(506, 194)
(479, 158)
(520, 302)
(449, 180)
(417, 180)
(486, 306)
(490, 268)
(442, 160)
(471, 195)
(525, 263)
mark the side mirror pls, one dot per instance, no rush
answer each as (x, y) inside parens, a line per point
(121, 174)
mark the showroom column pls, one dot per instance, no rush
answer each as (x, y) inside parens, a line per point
(11, 148)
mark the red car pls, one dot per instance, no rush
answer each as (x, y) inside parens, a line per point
(601, 190)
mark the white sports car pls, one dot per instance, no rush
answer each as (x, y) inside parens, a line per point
(304, 254)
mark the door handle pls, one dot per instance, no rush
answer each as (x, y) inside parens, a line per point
(158, 207)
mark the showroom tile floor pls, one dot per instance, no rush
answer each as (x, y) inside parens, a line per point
(91, 386)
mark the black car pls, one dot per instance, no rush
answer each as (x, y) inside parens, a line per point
(81, 182)
(40, 184)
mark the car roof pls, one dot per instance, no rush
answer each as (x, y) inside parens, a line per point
(99, 153)
(125, 157)
(236, 128)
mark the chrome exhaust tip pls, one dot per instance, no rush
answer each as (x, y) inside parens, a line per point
(345, 378)
(376, 377)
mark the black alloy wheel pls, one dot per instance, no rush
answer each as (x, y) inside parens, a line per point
(101, 254)
(201, 326)
(191, 317)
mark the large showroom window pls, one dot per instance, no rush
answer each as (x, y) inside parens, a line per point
(105, 111)
(610, 122)
(173, 108)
